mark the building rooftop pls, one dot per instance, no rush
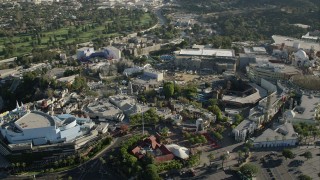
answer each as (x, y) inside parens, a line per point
(35, 119)
(145, 80)
(7, 72)
(104, 107)
(289, 41)
(308, 107)
(207, 52)
(282, 131)
(85, 48)
(287, 69)
(245, 124)
(68, 79)
(252, 98)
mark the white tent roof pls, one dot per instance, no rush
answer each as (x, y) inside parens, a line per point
(179, 151)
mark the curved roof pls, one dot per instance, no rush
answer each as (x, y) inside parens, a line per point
(178, 151)
(301, 54)
(35, 119)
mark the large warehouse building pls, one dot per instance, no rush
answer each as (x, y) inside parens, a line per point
(206, 59)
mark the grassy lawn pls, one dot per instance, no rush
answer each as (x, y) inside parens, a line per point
(24, 47)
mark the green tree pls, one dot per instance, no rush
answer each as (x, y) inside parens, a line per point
(238, 119)
(249, 169)
(165, 131)
(304, 177)
(23, 165)
(211, 157)
(216, 110)
(240, 156)
(287, 153)
(307, 155)
(168, 89)
(218, 136)
(246, 150)
(151, 173)
(213, 102)
(223, 157)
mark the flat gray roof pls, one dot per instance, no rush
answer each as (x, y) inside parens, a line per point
(244, 125)
(104, 107)
(309, 103)
(35, 119)
(289, 41)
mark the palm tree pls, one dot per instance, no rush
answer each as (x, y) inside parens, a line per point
(13, 165)
(246, 150)
(18, 165)
(223, 157)
(23, 165)
(56, 163)
(211, 157)
(240, 156)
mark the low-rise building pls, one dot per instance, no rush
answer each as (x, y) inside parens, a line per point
(282, 136)
(206, 59)
(159, 151)
(102, 128)
(102, 109)
(306, 112)
(154, 74)
(271, 72)
(68, 80)
(245, 128)
(84, 52)
(127, 104)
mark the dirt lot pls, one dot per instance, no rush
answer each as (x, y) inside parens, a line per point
(191, 78)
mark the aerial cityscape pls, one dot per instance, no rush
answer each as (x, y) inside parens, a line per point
(160, 89)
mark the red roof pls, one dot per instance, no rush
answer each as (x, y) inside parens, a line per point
(166, 155)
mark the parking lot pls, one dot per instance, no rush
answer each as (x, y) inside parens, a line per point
(274, 166)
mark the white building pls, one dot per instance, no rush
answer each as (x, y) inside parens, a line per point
(84, 52)
(153, 74)
(104, 110)
(300, 59)
(68, 79)
(283, 135)
(306, 112)
(246, 127)
(296, 43)
(111, 52)
(271, 72)
(102, 128)
(132, 70)
(39, 128)
(127, 104)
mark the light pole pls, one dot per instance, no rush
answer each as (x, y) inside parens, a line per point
(142, 124)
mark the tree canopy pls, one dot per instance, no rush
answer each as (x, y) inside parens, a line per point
(287, 153)
(149, 117)
(168, 89)
(249, 169)
(307, 155)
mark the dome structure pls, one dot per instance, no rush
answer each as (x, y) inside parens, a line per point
(301, 55)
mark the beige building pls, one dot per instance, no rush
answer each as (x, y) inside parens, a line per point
(271, 72)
